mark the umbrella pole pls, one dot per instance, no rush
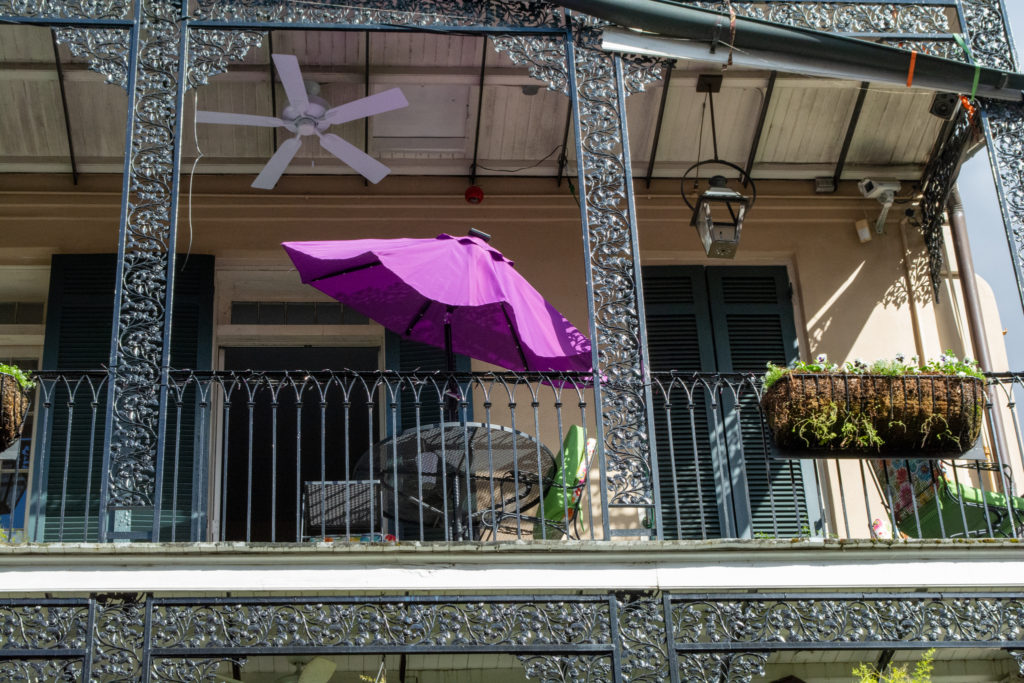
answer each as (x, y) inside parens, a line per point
(451, 405)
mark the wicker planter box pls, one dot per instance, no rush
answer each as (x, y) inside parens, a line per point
(840, 415)
(13, 408)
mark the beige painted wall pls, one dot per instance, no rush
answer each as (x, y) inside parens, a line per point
(850, 299)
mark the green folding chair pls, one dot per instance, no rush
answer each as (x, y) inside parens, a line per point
(561, 504)
(944, 503)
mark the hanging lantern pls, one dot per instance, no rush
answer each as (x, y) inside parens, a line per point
(719, 211)
(719, 218)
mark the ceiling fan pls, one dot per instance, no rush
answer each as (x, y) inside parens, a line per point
(316, 670)
(307, 114)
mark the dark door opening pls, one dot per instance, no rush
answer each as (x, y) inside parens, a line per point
(303, 438)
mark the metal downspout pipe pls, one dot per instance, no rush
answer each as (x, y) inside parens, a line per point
(968, 284)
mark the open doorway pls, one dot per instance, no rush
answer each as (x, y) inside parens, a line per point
(269, 451)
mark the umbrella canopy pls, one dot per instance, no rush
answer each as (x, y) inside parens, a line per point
(455, 293)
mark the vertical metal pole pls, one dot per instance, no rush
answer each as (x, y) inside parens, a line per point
(581, 179)
(638, 293)
(104, 521)
(172, 234)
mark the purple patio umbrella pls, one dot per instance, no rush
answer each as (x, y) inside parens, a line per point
(456, 293)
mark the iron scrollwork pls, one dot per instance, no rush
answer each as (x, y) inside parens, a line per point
(937, 182)
(986, 27)
(66, 9)
(1004, 123)
(189, 670)
(614, 280)
(118, 638)
(210, 52)
(144, 253)
(567, 669)
(106, 49)
(644, 640)
(874, 17)
(512, 13)
(353, 624)
(69, 670)
(910, 618)
(721, 667)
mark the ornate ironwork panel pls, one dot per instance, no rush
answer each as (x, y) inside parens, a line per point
(188, 670)
(118, 638)
(105, 48)
(566, 669)
(785, 622)
(1003, 123)
(986, 27)
(144, 251)
(478, 13)
(67, 9)
(868, 17)
(210, 52)
(937, 182)
(352, 623)
(643, 639)
(721, 667)
(1004, 131)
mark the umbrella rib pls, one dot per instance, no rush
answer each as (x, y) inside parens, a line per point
(346, 271)
(515, 337)
(419, 316)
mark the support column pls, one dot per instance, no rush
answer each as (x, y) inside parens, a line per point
(140, 337)
(599, 83)
(1003, 122)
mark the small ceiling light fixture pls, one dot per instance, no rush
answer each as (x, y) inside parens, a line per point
(718, 212)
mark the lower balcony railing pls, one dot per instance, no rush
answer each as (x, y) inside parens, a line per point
(352, 456)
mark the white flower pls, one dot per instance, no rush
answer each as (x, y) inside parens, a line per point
(961, 374)
(900, 357)
(968, 360)
(821, 358)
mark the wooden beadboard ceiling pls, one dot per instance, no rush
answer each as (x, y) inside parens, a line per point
(521, 127)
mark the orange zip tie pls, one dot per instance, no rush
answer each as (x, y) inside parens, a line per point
(968, 107)
(910, 71)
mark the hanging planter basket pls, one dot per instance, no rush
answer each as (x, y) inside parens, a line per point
(836, 415)
(13, 409)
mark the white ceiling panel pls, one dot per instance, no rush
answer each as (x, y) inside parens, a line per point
(806, 125)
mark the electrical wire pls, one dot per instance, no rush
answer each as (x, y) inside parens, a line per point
(522, 168)
(192, 173)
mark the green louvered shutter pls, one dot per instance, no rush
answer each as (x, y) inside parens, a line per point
(679, 338)
(405, 355)
(753, 324)
(79, 314)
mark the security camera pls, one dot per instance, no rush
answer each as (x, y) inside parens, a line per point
(877, 189)
(885, 192)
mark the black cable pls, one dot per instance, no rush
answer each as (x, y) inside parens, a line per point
(514, 170)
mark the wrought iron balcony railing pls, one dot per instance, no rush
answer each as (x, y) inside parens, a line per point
(355, 456)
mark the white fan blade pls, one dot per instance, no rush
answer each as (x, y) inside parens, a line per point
(367, 106)
(237, 119)
(363, 164)
(319, 670)
(291, 79)
(271, 173)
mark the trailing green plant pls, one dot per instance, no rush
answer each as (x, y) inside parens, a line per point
(945, 364)
(922, 673)
(23, 378)
(889, 405)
